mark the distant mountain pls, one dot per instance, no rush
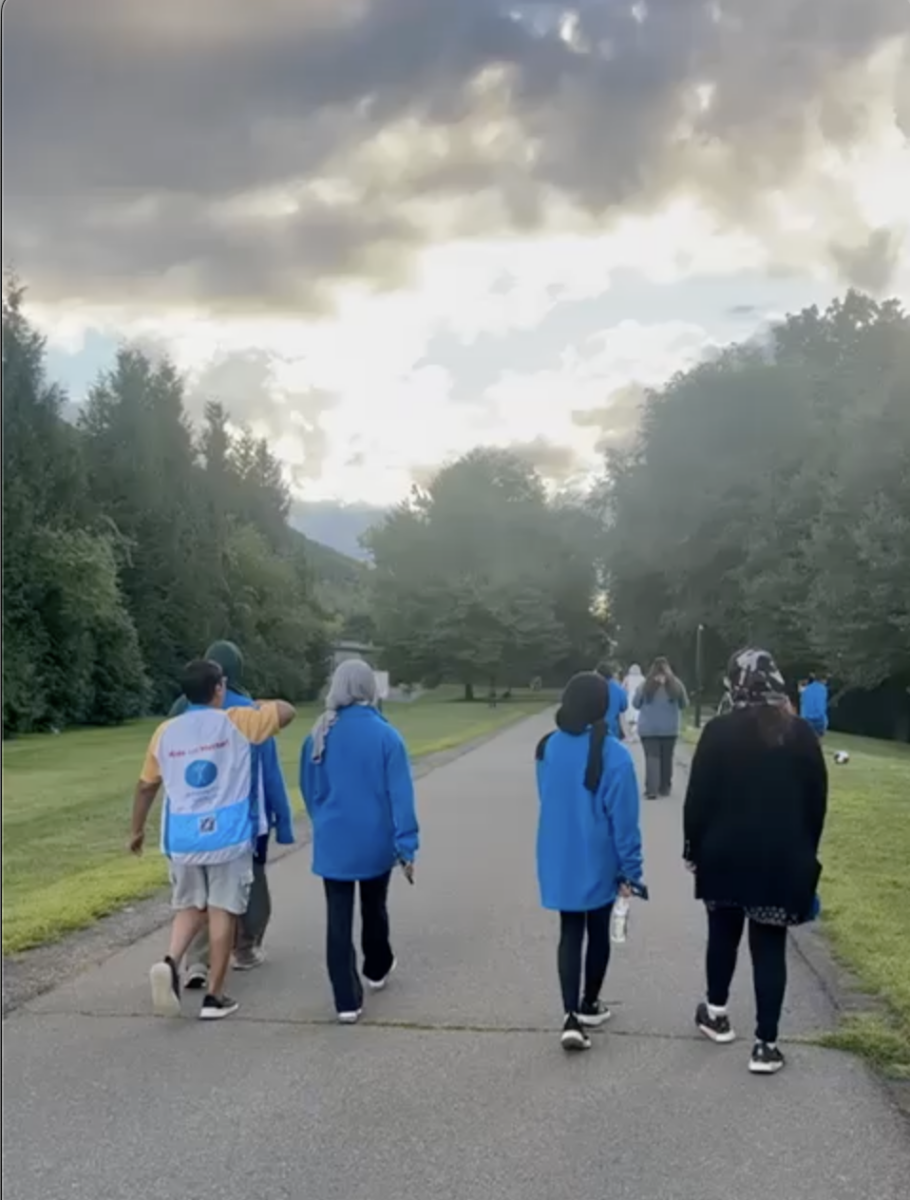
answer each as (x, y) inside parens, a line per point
(331, 566)
(335, 525)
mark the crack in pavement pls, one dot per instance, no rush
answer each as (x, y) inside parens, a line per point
(402, 1026)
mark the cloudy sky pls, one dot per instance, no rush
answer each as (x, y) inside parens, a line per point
(385, 231)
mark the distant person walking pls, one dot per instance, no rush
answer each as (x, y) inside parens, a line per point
(617, 700)
(813, 704)
(588, 845)
(356, 783)
(632, 682)
(252, 925)
(660, 701)
(212, 817)
(753, 818)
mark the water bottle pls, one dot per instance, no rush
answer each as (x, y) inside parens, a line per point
(619, 922)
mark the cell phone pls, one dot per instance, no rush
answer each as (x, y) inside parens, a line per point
(404, 871)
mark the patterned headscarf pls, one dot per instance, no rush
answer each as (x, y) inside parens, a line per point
(753, 678)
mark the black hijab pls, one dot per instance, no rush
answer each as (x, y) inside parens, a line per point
(584, 706)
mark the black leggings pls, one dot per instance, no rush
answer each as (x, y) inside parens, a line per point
(768, 947)
(374, 941)
(571, 940)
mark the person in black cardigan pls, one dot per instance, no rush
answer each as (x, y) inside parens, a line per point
(753, 819)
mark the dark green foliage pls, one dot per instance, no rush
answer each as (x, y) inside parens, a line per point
(479, 579)
(768, 496)
(128, 547)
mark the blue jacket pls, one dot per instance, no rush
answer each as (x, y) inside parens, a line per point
(618, 703)
(586, 844)
(360, 797)
(275, 794)
(813, 704)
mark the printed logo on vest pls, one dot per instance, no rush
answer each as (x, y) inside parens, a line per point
(200, 773)
(207, 824)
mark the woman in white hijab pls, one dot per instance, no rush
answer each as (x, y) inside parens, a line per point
(356, 783)
(632, 682)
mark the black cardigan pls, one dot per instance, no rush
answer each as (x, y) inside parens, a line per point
(754, 814)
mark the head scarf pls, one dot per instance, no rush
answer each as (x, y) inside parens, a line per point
(228, 656)
(753, 678)
(584, 706)
(352, 683)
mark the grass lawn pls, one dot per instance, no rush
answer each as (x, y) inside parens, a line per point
(67, 802)
(865, 888)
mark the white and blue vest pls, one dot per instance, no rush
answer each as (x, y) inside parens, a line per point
(213, 809)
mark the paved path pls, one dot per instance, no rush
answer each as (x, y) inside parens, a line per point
(455, 1087)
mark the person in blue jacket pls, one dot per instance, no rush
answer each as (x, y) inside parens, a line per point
(813, 704)
(356, 783)
(588, 844)
(252, 927)
(617, 701)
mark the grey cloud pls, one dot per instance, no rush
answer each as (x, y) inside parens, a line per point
(128, 124)
(616, 422)
(555, 462)
(246, 383)
(871, 264)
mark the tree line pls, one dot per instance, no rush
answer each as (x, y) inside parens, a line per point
(131, 541)
(767, 498)
(482, 578)
(764, 498)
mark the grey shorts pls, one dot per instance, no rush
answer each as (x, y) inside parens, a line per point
(218, 885)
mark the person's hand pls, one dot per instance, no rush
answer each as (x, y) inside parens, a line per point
(408, 869)
(137, 841)
(690, 866)
(625, 891)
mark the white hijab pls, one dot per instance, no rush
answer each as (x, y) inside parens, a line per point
(352, 683)
(633, 680)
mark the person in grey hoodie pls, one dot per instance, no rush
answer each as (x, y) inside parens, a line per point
(660, 701)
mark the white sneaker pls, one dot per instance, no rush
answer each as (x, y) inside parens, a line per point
(350, 1018)
(165, 985)
(376, 985)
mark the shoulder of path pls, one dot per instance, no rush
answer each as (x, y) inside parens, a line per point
(34, 972)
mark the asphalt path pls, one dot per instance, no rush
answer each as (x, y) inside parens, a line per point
(454, 1085)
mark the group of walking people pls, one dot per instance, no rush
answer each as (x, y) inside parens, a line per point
(648, 708)
(216, 759)
(752, 822)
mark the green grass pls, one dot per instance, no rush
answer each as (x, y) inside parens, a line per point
(865, 890)
(67, 800)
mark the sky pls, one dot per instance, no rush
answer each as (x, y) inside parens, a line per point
(385, 231)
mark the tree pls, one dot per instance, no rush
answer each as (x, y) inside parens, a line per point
(464, 584)
(70, 650)
(766, 498)
(130, 543)
(142, 467)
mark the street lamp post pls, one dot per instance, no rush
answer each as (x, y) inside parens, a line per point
(698, 674)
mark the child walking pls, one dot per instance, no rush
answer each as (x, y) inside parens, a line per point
(588, 845)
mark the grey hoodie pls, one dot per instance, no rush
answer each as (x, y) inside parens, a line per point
(660, 714)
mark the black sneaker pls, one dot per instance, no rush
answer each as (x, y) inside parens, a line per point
(594, 1015)
(573, 1035)
(165, 983)
(196, 978)
(718, 1028)
(766, 1059)
(216, 1008)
